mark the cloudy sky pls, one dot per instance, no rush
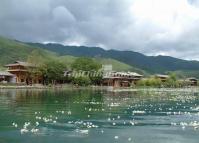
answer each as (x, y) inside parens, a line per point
(152, 27)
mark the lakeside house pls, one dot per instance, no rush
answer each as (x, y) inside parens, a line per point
(22, 74)
(192, 81)
(118, 79)
(162, 77)
(121, 79)
(6, 77)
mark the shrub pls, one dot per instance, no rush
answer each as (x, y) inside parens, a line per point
(151, 82)
(81, 81)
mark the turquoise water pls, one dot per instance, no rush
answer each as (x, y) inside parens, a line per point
(84, 116)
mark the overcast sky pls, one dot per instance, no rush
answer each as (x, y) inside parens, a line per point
(152, 27)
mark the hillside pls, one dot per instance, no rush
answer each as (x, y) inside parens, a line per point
(12, 50)
(158, 64)
(117, 66)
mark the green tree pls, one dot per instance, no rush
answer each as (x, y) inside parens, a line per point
(91, 70)
(172, 76)
(85, 64)
(36, 61)
(150, 82)
(81, 81)
(172, 81)
(96, 77)
(53, 71)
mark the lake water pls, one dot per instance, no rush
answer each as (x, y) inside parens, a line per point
(85, 116)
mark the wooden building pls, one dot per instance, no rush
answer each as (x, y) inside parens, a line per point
(6, 77)
(163, 78)
(192, 81)
(21, 71)
(121, 79)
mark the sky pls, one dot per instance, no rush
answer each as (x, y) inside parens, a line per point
(151, 27)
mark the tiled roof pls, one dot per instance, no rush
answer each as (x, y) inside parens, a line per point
(25, 64)
(161, 75)
(5, 73)
(121, 74)
(192, 78)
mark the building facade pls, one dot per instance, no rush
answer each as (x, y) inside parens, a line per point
(6, 77)
(121, 79)
(163, 78)
(21, 70)
(192, 81)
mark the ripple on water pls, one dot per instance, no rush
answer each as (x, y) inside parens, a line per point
(108, 118)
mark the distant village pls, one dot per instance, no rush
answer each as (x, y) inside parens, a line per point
(17, 73)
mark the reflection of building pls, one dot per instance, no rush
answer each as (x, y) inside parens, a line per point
(192, 81)
(21, 71)
(6, 77)
(121, 79)
(163, 78)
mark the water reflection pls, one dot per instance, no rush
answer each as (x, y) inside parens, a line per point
(98, 116)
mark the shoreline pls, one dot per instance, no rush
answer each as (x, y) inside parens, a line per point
(151, 89)
(68, 87)
(107, 88)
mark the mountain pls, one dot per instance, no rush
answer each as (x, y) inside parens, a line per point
(117, 65)
(152, 64)
(12, 50)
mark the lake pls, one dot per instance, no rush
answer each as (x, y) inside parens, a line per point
(87, 116)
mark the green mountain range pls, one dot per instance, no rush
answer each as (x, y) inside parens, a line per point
(150, 64)
(12, 50)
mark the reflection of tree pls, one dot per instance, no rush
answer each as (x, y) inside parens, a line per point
(49, 101)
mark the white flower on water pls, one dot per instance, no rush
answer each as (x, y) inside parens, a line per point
(132, 123)
(26, 125)
(23, 131)
(174, 124)
(88, 126)
(37, 123)
(15, 125)
(69, 112)
(82, 131)
(37, 117)
(139, 112)
(34, 130)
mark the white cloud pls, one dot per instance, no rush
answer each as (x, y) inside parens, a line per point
(63, 16)
(167, 27)
(171, 17)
